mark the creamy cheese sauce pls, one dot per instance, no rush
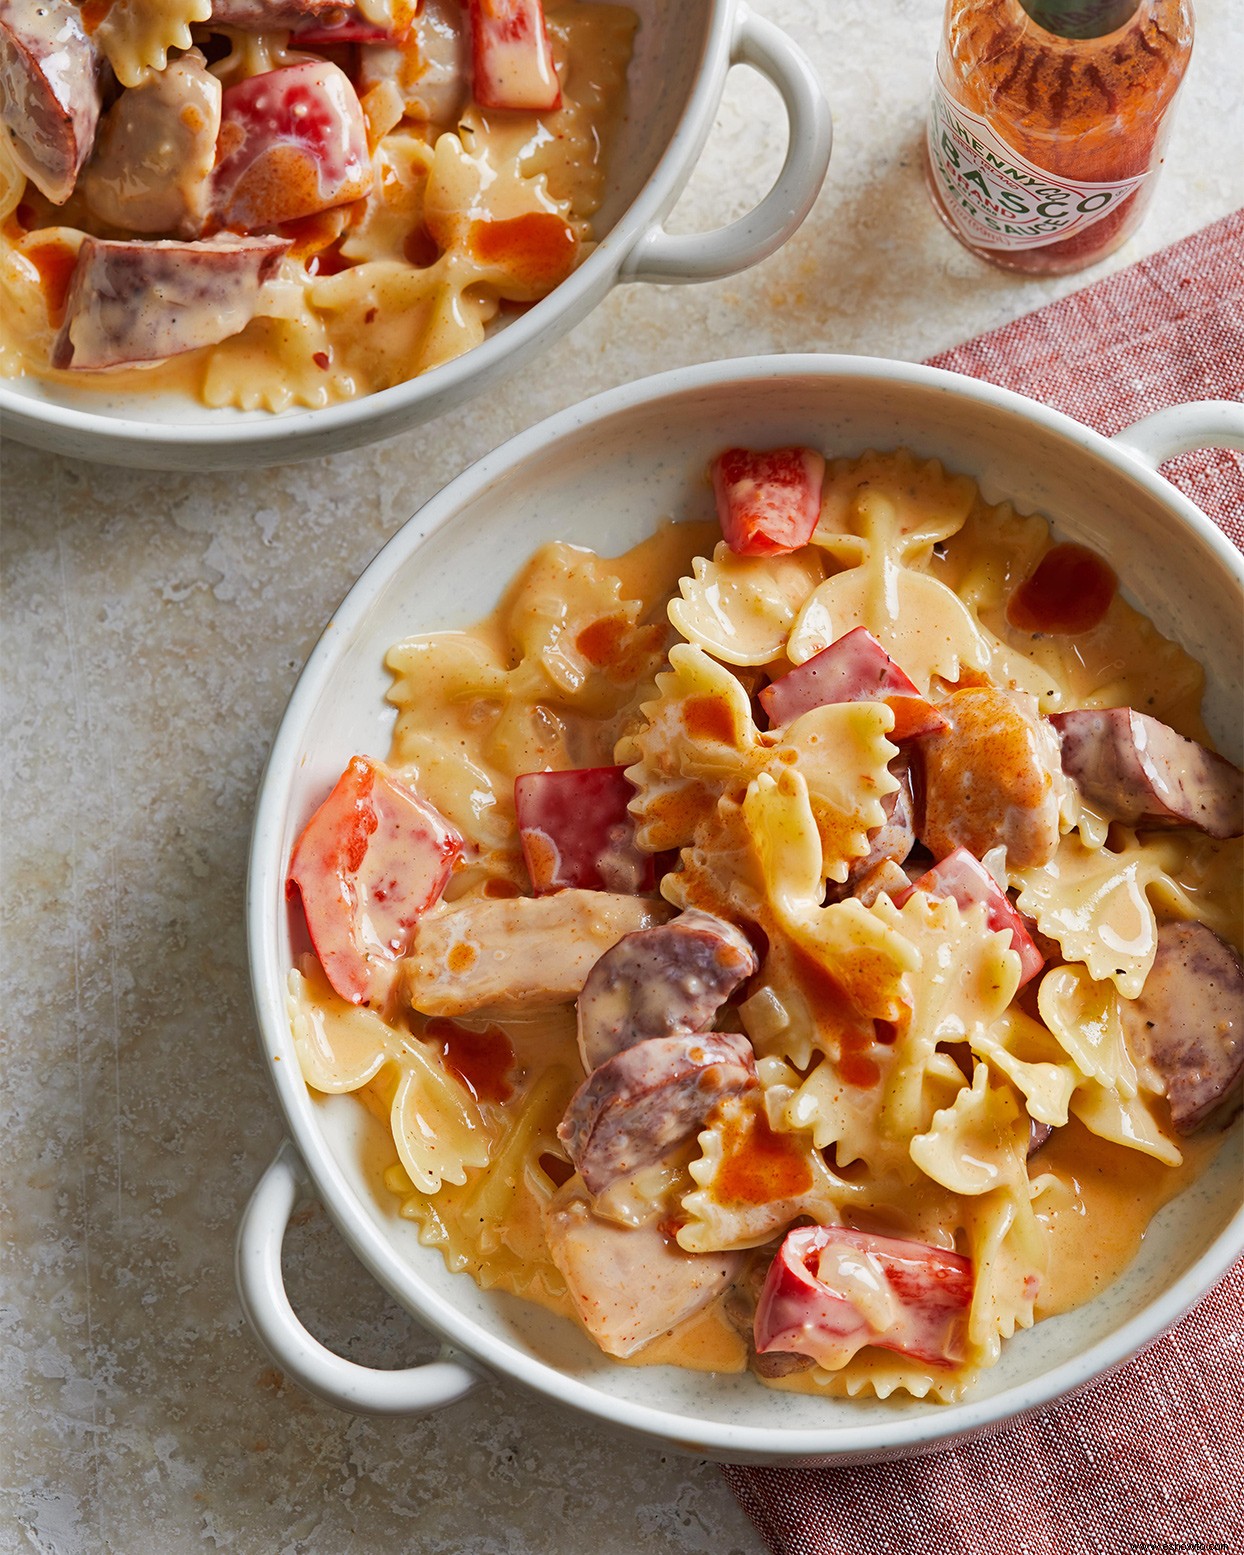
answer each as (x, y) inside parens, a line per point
(491, 212)
(556, 677)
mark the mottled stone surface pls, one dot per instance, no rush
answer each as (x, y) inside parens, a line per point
(152, 629)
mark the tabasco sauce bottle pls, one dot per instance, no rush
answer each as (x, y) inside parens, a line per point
(1048, 122)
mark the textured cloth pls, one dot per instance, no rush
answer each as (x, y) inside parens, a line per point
(1152, 1457)
(1167, 330)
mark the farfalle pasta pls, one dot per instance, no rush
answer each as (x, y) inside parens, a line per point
(275, 203)
(641, 953)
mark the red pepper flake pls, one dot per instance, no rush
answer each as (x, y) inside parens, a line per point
(320, 358)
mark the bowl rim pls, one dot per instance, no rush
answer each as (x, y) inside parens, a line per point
(569, 302)
(926, 1426)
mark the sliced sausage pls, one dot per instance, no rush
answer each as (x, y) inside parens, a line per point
(992, 777)
(1187, 1026)
(516, 953)
(739, 1308)
(152, 168)
(662, 982)
(49, 91)
(142, 302)
(1141, 772)
(641, 1103)
(630, 1284)
(271, 15)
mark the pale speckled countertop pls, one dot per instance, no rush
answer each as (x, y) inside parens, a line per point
(152, 628)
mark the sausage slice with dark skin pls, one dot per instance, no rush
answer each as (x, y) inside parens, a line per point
(49, 91)
(1187, 1026)
(634, 1109)
(132, 302)
(661, 982)
(1140, 772)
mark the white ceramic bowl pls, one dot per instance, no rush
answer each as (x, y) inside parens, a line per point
(683, 52)
(601, 475)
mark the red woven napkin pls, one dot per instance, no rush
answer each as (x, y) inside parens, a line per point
(1151, 1458)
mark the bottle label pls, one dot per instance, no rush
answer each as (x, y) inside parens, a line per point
(995, 196)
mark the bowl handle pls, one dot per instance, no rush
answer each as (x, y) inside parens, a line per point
(261, 1287)
(1180, 428)
(658, 256)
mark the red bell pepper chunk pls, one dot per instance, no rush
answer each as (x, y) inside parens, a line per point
(511, 57)
(767, 503)
(855, 668)
(292, 142)
(371, 860)
(830, 1291)
(960, 875)
(576, 830)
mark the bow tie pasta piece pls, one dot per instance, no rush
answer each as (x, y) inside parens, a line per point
(924, 627)
(1096, 904)
(1010, 1254)
(699, 743)
(741, 608)
(340, 1046)
(135, 36)
(967, 977)
(978, 1143)
(932, 504)
(1024, 1051)
(842, 753)
(1083, 1016)
(581, 643)
(753, 1180)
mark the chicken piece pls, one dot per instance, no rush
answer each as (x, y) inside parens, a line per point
(1187, 1026)
(662, 982)
(142, 302)
(639, 1105)
(156, 148)
(994, 777)
(631, 1284)
(518, 953)
(1142, 773)
(49, 91)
